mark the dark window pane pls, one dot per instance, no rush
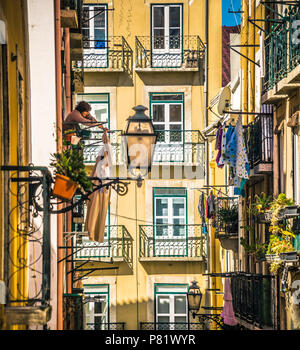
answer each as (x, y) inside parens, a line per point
(174, 39)
(99, 19)
(175, 113)
(85, 17)
(159, 16)
(158, 113)
(99, 307)
(174, 16)
(159, 39)
(99, 34)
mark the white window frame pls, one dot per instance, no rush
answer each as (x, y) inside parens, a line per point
(166, 28)
(171, 292)
(101, 53)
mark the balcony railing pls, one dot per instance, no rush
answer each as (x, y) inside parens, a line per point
(113, 54)
(181, 52)
(182, 146)
(172, 241)
(112, 326)
(178, 326)
(172, 147)
(253, 299)
(259, 142)
(117, 245)
(93, 143)
(282, 49)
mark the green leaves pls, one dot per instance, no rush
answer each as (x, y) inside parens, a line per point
(70, 163)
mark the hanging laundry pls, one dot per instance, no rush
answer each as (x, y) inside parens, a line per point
(201, 207)
(210, 205)
(242, 170)
(97, 206)
(219, 139)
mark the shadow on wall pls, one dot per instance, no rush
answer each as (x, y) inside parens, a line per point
(172, 78)
(107, 79)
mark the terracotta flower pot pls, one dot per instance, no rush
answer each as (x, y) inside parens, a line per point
(64, 188)
(68, 137)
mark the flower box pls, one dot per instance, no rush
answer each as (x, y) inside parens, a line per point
(289, 256)
(272, 257)
(290, 211)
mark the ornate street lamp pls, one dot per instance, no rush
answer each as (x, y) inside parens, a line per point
(140, 139)
(194, 297)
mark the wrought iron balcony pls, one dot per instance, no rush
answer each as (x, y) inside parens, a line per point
(112, 55)
(282, 49)
(172, 241)
(112, 326)
(172, 147)
(117, 245)
(259, 143)
(93, 143)
(181, 53)
(253, 299)
(178, 326)
(182, 146)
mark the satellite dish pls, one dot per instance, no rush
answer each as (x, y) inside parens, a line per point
(224, 101)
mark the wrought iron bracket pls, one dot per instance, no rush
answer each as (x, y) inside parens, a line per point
(120, 185)
(216, 318)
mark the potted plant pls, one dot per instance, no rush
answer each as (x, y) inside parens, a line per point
(256, 250)
(69, 173)
(280, 207)
(228, 219)
(260, 208)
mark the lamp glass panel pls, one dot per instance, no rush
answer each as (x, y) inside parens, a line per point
(140, 150)
(140, 128)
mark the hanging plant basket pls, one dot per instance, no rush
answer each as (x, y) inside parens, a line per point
(64, 187)
(264, 218)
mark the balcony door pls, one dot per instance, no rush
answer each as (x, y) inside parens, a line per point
(170, 233)
(167, 112)
(94, 29)
(96, 307)
(171, 307)
(166, 36)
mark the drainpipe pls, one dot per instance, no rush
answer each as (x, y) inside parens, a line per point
(68, 216)
(59, 148)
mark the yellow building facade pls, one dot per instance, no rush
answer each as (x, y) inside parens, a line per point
(150, 53)
(14, 146)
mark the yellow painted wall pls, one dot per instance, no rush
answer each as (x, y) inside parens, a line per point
(12, 12)
(131, 18)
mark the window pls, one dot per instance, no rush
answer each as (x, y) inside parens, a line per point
(167, 116)
(99, 104)
(100, 110)
(170, 230)
(96, 307)
(94, 30)
(171, 306)
(170, 209)
(166, 35)
(167, 113)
